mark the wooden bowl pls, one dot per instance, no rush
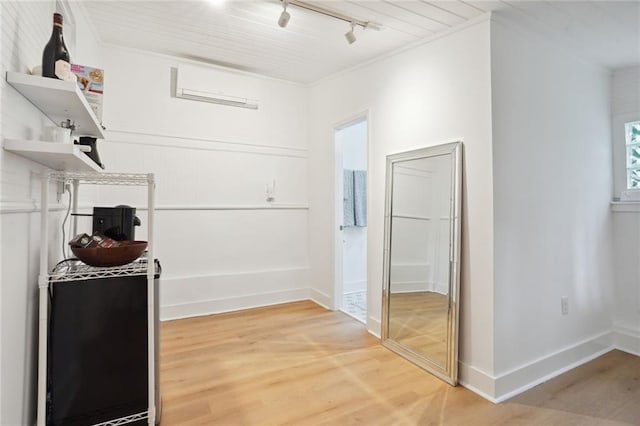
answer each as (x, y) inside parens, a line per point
(126, 252)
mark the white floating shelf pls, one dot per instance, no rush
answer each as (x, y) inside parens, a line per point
(56, 156)
(59, 100)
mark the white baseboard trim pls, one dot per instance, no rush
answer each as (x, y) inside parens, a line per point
(477, 381)
(321, 298)
(349, 314)
(477, 391)
(442, 288)
(374, 326)
(197, 295)
(209, 307)
(513, 382)
(518, 380)
(626, 339)
(411, 286)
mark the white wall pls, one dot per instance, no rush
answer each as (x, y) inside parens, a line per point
(626, 216)
(436, 92)
(25, 29)
(552, 187)
(222, 246)
(626, 237)
(353, 143)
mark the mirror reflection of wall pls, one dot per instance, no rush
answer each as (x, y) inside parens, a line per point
(420, 221)
(421, 291)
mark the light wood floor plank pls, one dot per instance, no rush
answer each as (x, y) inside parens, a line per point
(299, 364)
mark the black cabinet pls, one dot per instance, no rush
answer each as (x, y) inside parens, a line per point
(98, 349)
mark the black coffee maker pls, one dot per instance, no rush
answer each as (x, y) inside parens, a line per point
(117, 223)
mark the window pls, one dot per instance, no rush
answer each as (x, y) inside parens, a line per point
(632, 137)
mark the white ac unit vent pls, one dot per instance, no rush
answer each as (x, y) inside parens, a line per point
(215, 86)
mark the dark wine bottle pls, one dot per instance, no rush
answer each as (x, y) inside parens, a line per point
(55, 57)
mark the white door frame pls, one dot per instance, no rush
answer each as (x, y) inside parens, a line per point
(338, 200)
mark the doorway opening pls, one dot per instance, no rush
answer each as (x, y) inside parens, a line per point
(351, 146)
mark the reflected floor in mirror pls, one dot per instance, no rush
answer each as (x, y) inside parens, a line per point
(418, 320)
(300, 364)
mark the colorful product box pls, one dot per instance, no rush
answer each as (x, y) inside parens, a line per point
(91, 82)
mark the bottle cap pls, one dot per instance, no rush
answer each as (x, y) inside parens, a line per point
(57, 18)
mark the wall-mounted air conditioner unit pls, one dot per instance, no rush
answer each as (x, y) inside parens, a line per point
(216, 86)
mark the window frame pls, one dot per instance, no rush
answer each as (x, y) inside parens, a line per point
(629, 167)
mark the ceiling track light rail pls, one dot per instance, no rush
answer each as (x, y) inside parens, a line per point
(328, 12)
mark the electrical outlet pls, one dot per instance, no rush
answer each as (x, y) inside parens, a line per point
(62, 188)
(60, 191)
(564, 302)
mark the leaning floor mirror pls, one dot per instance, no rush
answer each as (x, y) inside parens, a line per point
(422, 257)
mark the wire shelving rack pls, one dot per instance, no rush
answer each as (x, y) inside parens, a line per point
(75, 179)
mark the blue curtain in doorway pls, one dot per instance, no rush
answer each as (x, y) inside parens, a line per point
(355, 198)
(360, 197)
(348, 199)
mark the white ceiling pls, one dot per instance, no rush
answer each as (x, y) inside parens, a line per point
(244, 34)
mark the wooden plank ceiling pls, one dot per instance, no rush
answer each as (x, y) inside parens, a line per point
(244, 34)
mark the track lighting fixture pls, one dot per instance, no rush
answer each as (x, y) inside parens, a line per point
(284, 16)
(349, 35)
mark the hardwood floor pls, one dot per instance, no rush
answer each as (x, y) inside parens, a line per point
(300, 364)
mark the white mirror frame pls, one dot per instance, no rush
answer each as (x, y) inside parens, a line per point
(449, 372)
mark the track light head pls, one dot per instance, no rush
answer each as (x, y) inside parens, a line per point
(284, 19)
(284, 16)
(350, 35)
